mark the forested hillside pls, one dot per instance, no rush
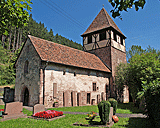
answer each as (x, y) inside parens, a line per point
(11, 45)
(17, 36)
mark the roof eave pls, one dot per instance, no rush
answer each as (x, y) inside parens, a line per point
(74, 66)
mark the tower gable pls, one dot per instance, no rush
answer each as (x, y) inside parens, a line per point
(105, 40)
(103, 32)
(102, 21)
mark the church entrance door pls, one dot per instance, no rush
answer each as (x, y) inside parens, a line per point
(26, 97)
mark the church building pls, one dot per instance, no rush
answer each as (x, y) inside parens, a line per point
(47, 72)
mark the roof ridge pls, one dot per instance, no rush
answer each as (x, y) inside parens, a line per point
(54, 42)
(108, 16)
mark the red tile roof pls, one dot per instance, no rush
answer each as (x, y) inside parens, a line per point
(102, 20)
(57, 53)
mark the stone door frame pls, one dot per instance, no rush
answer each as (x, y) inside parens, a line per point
(23, 93)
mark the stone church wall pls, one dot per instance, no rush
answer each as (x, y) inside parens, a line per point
(71, 83)
(28, 80)
(117, 58)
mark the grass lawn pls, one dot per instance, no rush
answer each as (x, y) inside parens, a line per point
(127, 108)
(69, 119)
(122, 123)
(122, 108)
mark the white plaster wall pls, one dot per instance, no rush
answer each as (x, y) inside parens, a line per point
(85, 40)
(112, 36)
(124, 42)
(80, 82)
(118, 45)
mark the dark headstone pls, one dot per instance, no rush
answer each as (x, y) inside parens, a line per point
(8, 95)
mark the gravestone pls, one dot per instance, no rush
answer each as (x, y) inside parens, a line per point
(38, 108)
(103, 96)
(8, 95)
(110, 115)
(98, 98)
(41, 108)
(13, 111)
(60, 95)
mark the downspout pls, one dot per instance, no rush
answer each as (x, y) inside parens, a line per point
(44, 82)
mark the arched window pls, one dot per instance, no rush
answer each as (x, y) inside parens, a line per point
(26, 67)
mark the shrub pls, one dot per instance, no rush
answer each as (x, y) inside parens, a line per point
(104, 110)
(153, 106)
(114, 104)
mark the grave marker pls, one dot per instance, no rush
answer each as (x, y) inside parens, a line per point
(13, 110)
(38, 108)
(110, 115)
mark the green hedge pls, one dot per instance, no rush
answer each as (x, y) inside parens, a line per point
(114, 104)
(104, 110)
(152, 99)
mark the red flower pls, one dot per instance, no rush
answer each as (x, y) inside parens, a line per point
(48, 114)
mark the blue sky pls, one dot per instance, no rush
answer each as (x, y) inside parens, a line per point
(71, 18)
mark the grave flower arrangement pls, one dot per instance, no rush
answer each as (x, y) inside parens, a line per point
(91, 115)
(48, 114)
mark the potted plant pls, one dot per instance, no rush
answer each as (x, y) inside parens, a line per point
(55, 104)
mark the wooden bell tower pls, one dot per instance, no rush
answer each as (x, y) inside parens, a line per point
(104, 39)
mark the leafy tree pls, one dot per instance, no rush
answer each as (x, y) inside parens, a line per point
(7, 72)
(151, 94)
(123, 5)
(144, 66)
(51, 36)
(135, 49)
(13, 12)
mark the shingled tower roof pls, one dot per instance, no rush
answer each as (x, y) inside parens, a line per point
(102, 20)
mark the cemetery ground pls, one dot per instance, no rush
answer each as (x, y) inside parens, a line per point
(69, 119)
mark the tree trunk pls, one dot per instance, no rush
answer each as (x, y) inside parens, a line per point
(14, 41)
(3, 40)
(17, 39)
(10, 38)
(20, 41)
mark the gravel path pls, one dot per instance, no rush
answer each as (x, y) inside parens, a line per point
(117, 114)
(85, 113)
